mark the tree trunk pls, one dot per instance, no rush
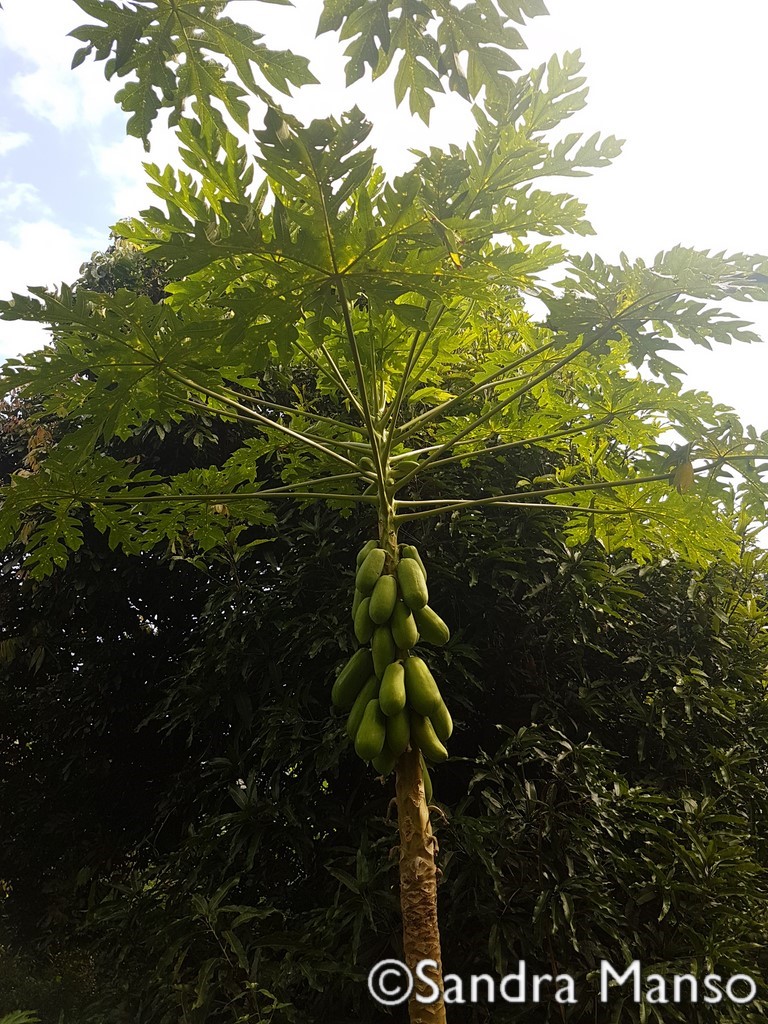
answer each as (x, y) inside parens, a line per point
(418, 872)
(418, 886)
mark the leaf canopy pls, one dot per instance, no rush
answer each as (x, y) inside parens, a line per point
(406, 300)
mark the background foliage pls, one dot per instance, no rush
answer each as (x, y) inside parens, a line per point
(198, 819)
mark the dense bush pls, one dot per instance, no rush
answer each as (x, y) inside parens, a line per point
(182, 808)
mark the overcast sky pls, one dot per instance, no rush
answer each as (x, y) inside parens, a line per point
(684, 82)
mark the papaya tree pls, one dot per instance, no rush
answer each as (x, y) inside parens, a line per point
(405, 300)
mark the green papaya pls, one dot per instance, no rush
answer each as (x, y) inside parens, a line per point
(431, 627)
(427, 782)
(411, 551)
(383, 599)
(385, 762)
(350, 680)
(426, 739)
(372, 732)
(383, 649)
(370, 570)
(403, 466)
(365, 550)
(392, 690)
(420, 686)
(441, 721)
(363, 626)
(399, 732)
(366, 695)
(367, 465)
(403, 625)
(413, 586)
(356, 603)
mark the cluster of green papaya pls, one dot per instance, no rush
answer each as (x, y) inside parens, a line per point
(390, 694)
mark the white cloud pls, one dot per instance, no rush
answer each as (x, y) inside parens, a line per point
(43, 252)
(17, 194)
(121, 164)
(12, 140)
(36, 31)
(40, 253)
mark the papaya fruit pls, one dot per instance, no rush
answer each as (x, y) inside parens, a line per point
(427, 782)
(356, 603)
(420, 686)
(366, 695)
(383, 649)
(399, 732)
(431, 627)
(371, 733)
(413, 586)
(403, 466)
(405, 633)
(350, 680)
(392, 690)
(365, 550)
(383, 599)
(385, 762)
(442, 722)
(370, 570)
(364, 627)
(411, 551)
(426, 739)
(367, 465)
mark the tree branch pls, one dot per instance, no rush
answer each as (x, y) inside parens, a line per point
(414, 424)
(439, 505)
(336, 376)
(263, 420)
(293, 411)
(221, 499)
(524, 441)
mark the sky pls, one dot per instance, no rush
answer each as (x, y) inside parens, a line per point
(684, 83)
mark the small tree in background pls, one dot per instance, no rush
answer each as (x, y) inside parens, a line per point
(296, 253)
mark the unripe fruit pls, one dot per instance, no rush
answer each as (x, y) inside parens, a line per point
(363, 626)
(356, 603)
(366, 695)
(351, 679)
(392, 691)
(399, 732)
(420, 686)
(410, 551)
(365, 550)
(383, 649)
(403, 626)
(431, 627)
(426, 739)
(385, 762)
(370, 570)
(369, 741)
(442, 721)
(383, 599)
(413, 586)
(427, 782)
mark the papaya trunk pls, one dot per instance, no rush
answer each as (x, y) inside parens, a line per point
(418, 872)
(418, 886)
